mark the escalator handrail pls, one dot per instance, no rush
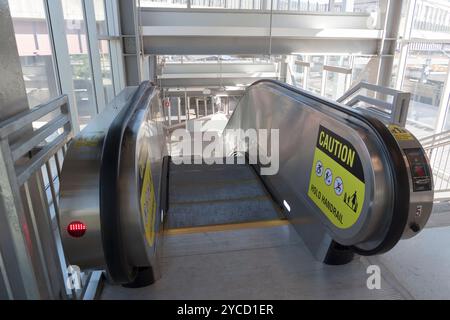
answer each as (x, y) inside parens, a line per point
(113, 244)
(398, 168)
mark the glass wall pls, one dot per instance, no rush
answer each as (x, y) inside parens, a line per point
(314, 82)
(300, 69)
(80, 60)
(336, 84)
(330, 76)
(337, 80)
(425, 75)
(425, 71)
(280, 5)
(104, 47)
(35, 50)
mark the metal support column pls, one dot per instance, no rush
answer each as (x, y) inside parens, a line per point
(392, 12)
(212, 105)
(197, 109)
(404, 45)
(94, 54)
(179, 109)
(62, 57)
(283, 68)
(112, 16)
(187, 106)
(131, 41)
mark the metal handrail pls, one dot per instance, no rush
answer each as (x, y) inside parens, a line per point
(437, 147)
(32, 141)
(394, 112)
(29, 157)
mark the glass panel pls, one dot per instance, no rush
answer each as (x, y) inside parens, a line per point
(425, 75)
(361, 69)
(338, 61)
(299, 71)
(105, 57)
(226, 4)
(35, 51)
(315, 74)
(107, 76)
(79, 60)
(163, 3)
(336, 85)
(363, 6)
(289, 5)
(431, 17)
(100, 17)
(325, 5)
(447, 118)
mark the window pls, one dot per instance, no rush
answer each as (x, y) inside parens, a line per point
(336, 84)
(163, 3)
(80, 60)
(300, 70)
(425, 76)
(104, 47)
(337, 81)
(362, 69)
(315, 74)
(35, 50)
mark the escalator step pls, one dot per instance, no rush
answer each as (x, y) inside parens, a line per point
(221, 212)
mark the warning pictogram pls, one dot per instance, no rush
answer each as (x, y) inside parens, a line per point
(319, 168)
(338, 186)
(328, 177)
(352, 201)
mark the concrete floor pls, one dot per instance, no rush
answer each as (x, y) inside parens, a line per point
(273, 263)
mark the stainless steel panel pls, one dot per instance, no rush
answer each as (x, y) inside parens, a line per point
(269, 106)
(144, 138)
(80, 183)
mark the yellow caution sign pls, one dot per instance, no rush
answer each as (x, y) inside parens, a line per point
(148, 202)
(401, 134)
(337, 184)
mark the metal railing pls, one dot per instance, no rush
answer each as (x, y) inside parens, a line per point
(386, 104)
(30, 168)
(437, 147)
(30, 161)
(178, 111)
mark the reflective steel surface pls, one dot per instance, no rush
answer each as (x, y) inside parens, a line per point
(298, 118)
(80, 183)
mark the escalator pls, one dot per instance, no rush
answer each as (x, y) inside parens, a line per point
(347, 183)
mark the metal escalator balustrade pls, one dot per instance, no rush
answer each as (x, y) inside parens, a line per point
(112, 181)
(348, 183)
(388, 166)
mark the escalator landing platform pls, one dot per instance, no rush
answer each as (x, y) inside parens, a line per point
(265, 262)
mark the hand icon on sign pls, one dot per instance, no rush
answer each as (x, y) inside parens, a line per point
(328, 177)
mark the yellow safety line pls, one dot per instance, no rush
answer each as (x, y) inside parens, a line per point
(183, 203)
(227, 227)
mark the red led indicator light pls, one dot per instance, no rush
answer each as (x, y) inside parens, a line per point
(76, 229)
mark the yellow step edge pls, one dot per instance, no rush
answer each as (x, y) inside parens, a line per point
(227, 227)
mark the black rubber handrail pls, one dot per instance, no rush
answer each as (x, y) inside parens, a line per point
(398, 168)
(119, 268)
